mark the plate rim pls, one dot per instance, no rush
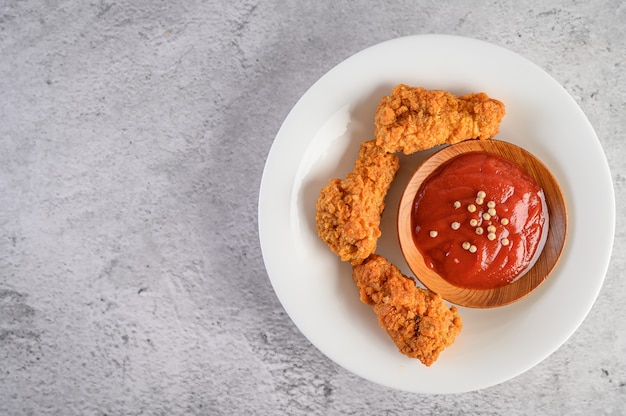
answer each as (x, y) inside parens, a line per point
(272, 267)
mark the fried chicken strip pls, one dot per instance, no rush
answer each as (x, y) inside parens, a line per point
(348, 211)
(413, 119)
(417, 320)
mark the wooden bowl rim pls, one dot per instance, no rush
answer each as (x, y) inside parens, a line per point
(547, 260)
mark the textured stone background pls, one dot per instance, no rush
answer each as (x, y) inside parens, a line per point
(132, 141)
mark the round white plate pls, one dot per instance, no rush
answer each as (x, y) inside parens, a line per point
(319, 140)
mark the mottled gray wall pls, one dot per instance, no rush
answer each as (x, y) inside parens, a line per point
(132, 141)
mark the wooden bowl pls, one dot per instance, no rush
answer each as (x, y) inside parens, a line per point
(555, 240)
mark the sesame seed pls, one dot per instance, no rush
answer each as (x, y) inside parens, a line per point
(473, 222)
(471, 208)
(455, 225)
(492, 212)
(473, 248)
(504, 221)
(491, 236)
(491, 204)
(479, 230)
(486, 216)
(505, 241)
(480, 201)
(457, 204)
(466, 245)
(481, 194)
(491, 228)
(434, 233)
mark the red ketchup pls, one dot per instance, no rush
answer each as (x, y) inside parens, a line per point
(479, 221)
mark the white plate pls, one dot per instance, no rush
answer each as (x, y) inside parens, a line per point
(319, 140)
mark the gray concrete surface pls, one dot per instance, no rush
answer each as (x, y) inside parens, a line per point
(132, 141)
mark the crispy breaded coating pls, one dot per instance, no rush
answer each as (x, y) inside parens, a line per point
(417, 320)
(348, 211)
(413, 119)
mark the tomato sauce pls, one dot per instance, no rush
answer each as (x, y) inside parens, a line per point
(479, 221)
